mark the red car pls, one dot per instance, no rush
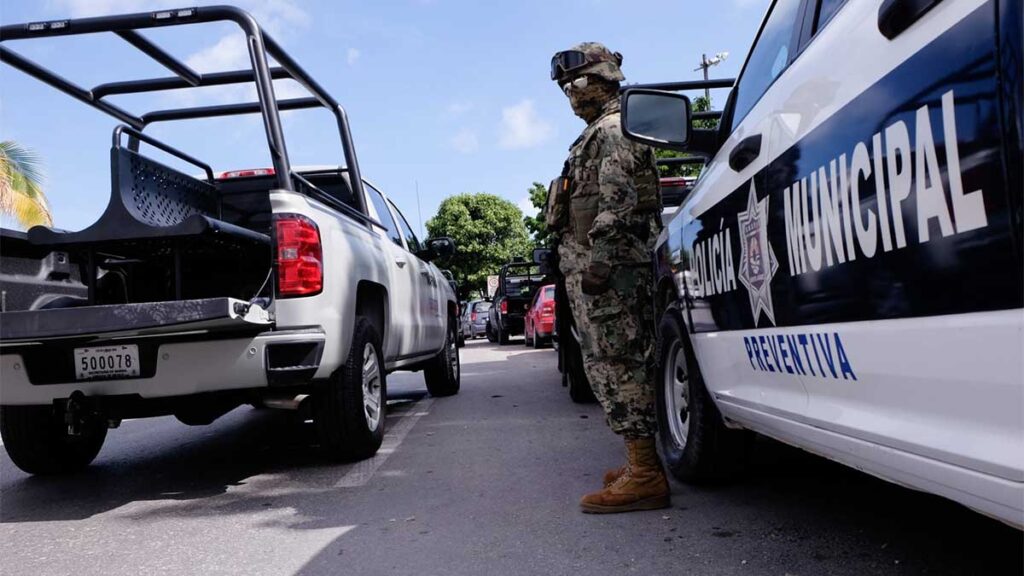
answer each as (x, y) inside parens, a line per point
(540, 319)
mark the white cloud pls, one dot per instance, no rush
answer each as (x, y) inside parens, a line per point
(231, 52)
(352, 56)
(522, 128)
(83, 8)
(274, 15)
(466, 141)
(527, 206)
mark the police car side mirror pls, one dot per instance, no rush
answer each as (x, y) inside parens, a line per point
(657, 118)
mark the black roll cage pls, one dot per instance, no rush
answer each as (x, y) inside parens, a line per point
(260, 44)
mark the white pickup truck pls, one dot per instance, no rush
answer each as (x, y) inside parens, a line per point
(278, 287)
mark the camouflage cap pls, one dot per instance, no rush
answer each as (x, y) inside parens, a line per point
(605, 62)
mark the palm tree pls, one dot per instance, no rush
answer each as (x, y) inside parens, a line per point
(21, 193)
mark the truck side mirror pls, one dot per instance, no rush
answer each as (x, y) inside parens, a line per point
(440, 247)
(657, 118)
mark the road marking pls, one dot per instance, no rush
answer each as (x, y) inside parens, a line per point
(361, 472)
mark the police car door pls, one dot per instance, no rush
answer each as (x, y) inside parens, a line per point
(898, 269)
(725, 226)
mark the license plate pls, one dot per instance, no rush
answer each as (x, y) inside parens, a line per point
(107, 362)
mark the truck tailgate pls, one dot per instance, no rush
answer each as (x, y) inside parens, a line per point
(132, 319)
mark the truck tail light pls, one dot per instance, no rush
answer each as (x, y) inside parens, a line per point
(249, 173)
(472, 316)
(300, 267)
(504, 306)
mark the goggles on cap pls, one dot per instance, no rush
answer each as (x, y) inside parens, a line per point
(568, 61)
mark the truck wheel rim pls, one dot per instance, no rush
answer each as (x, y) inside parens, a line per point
(453, 357)
(371, 387)
(676, 381)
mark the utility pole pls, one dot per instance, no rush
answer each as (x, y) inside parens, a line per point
(706, 63)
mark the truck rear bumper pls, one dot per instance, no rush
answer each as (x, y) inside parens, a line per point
(180, 368)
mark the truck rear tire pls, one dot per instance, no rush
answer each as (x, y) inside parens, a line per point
(444, 373)
(37, 441)
(349, 410)
(695, 443)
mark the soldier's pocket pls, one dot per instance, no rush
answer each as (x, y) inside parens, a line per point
(584, 211)
(609, 324)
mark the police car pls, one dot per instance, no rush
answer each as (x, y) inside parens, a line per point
(846, 275)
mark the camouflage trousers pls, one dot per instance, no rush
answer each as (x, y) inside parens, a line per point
(617, 338)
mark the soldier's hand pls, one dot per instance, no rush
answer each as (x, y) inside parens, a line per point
(596, 278)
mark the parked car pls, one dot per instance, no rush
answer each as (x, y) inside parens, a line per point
(284, 287)
(518, 281)
(848, 195)
(540, 319)
(474, 320)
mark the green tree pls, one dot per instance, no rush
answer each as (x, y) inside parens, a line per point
(488, 232)
(21, 193)
(536, 224)
(699, 104)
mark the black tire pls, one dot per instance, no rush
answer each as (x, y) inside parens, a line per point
(710, 450)
(461, 341)
(502, 337)
(344, 419)
(444, 373)
(37, 441)
(536, 342)
(490, 334)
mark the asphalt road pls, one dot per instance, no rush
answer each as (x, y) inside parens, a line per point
(486, 482)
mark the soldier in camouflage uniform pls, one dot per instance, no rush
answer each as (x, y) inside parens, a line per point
(607, 213)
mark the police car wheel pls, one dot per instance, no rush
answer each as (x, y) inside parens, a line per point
(694, 442)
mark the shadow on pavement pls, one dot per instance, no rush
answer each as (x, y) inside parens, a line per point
(161, 459)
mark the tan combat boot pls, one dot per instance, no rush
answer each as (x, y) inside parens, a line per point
(610, 476)
(643, 486)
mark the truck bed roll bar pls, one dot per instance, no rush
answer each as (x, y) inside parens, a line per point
(260, 45)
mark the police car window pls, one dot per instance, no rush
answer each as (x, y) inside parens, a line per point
(380, 206)
(769, 57)
(410, 237)
(826, 10)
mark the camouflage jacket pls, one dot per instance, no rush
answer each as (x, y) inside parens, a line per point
(615, 202)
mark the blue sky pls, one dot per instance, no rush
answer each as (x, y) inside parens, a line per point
(451, 95)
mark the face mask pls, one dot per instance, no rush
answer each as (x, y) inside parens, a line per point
(588, 96)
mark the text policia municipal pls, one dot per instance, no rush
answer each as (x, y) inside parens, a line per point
(814, 237)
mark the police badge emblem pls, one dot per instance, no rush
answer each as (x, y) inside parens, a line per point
(757, 259)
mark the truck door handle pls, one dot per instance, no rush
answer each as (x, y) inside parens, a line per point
(745, 152)
(895, 16)
(401, 262)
